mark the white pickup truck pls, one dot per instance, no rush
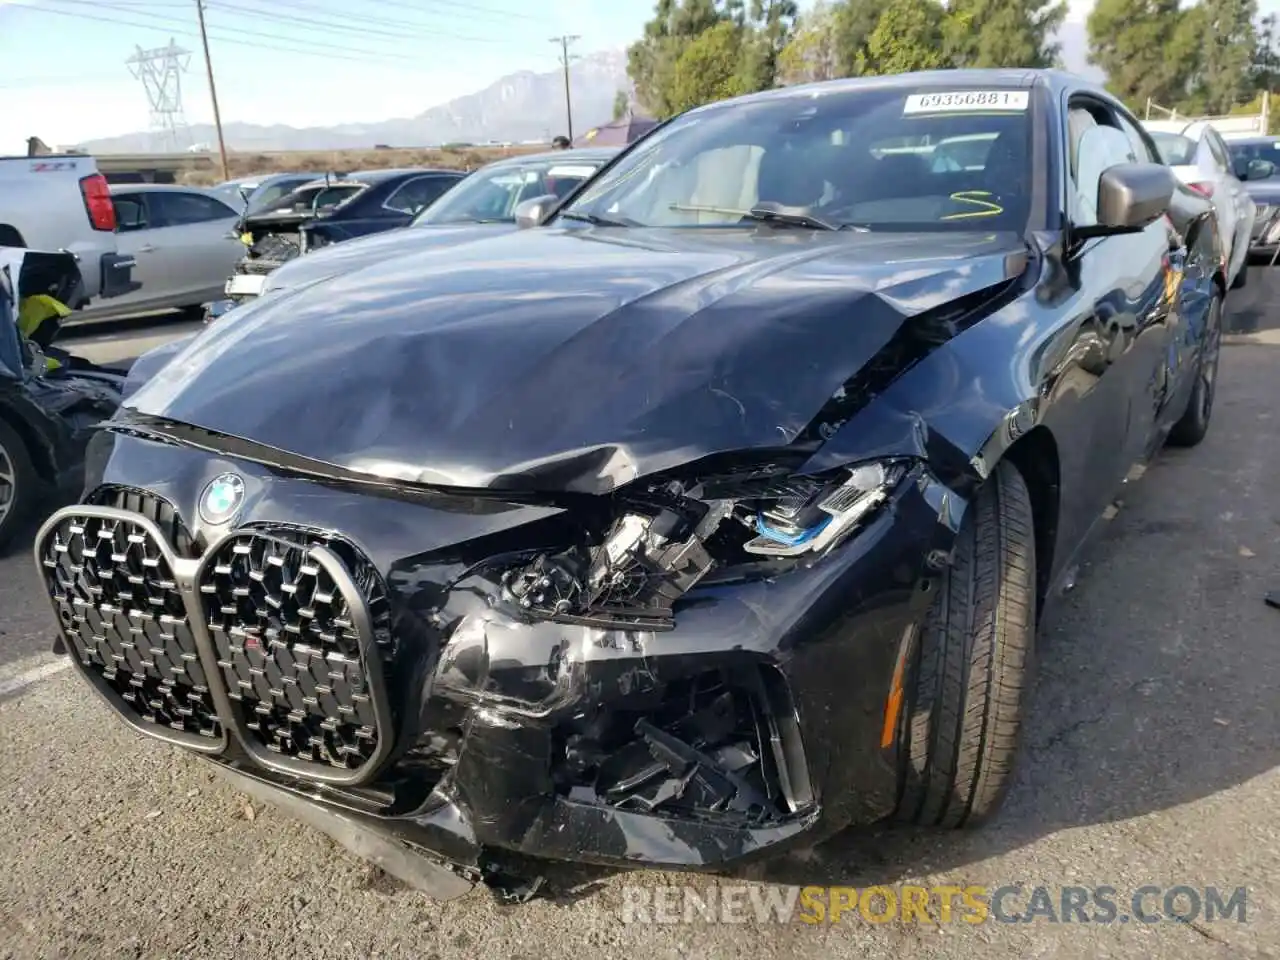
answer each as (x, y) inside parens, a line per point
(62, 203)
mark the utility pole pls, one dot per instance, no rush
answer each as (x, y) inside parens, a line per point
(213, 91)
(564, 61)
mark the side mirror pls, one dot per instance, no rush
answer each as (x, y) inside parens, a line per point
(1131, 196)
(1259, 170)
(529, 213)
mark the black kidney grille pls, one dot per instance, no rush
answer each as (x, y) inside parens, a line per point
(121, 612)
(289, 648)
(154, 508)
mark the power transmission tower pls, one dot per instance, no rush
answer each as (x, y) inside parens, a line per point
(565, 59)
(160, 70)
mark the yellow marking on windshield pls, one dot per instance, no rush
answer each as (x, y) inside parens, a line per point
(985, 207)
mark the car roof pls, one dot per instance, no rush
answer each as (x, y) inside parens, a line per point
(373, 176)
(1019, 78)
(158, 188)
(600, 154)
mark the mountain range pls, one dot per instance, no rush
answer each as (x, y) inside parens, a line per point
(520, 106)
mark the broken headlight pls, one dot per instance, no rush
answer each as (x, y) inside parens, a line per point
(666, 538)
(812, 516)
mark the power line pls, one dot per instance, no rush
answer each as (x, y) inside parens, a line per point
(353, 55)
(464, 7)
(365, 16)
(565, 58)
(342, 28)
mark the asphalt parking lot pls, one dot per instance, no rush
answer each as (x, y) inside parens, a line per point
(1153, 758)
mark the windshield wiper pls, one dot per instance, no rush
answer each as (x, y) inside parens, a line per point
(762, 213)
(595, 220)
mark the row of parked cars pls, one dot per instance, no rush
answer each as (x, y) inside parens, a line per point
(712, 512)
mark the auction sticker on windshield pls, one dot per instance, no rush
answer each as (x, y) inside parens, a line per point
(967, 101)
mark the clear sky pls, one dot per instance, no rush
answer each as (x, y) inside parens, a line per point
(300, 62)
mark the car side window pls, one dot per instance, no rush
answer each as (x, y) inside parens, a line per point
(1097, 143)
(131, 212)
(417, 194)
(1141, 150)
(1218, 150)
(179, 209)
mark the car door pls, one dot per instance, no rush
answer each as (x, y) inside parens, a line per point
(196, 241)
(414, 196)
(1121, 319)
(134, 238)
(1229, 199)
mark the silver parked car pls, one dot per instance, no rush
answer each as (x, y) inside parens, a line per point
(184, 241)
(1200, 158)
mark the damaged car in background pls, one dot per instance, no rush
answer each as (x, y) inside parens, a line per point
(712, 517)
(484, 204)
(50, 400)
(330, 211)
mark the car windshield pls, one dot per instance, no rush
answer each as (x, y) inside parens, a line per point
(876, 158)
(1248, 150)
(315, 197)
(1175, 150)
(264, 197)
(492, 193)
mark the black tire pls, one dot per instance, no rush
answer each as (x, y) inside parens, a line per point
(1194, 423)
(974, 665)
(20, 486)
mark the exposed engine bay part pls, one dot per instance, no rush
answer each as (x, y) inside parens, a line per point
(668, 539)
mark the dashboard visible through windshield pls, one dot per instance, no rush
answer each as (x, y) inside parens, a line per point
(875, 158)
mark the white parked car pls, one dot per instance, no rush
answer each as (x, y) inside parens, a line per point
(1201, 160)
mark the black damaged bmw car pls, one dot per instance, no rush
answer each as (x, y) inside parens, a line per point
(708, 518)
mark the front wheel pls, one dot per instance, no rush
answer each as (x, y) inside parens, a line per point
(20, 485)
(973, 673)
(1194, 423)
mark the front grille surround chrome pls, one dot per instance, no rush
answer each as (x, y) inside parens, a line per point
(186, 574)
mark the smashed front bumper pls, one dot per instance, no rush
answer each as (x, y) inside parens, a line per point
(437, 727)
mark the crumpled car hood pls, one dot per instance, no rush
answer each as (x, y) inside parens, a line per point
(568, 359)
(353, 254)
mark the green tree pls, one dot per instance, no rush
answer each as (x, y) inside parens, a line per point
(651, 60)
(813, 52)
(621, 104)
(709, 68)
(1229, 48)
(1142, 46)
(854, 22)
(1003, 33)
(765, 29)
(908, 36)
(1266, 55)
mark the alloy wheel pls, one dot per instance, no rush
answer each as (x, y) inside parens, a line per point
(8, 483)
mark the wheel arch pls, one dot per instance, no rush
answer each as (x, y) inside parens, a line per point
(1035, 456)
(41, 456)
(11, 236)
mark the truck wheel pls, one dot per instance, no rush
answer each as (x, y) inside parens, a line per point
(973, 669)
(1194, 423)
(20, 485)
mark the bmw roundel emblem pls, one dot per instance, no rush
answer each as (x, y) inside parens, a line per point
(221, 499)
